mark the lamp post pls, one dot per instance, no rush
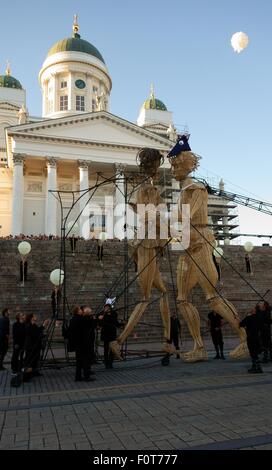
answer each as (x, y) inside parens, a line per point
(248, 247)
(24, 249)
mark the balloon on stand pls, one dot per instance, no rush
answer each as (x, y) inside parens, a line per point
(218, 252)
(57, 277)
(103, 236)
(248, 246)
(24, 248)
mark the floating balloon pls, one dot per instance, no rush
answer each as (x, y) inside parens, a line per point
(24, 248)
(239, 41)
(218, 252)
(248, 246)
(57, 276)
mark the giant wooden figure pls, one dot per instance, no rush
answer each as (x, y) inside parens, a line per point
(196, 265)
(149, 276)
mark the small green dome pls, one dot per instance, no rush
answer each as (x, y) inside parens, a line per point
(7, 81)
(154, 103)
(75, 44)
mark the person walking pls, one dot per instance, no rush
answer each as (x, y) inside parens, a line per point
(33, 345)
(79, 341)
(89, 339)
(175, 330)
(18, 335)
(253, 324)
(4, 335)
(109, 324)
(215, 322)
(264, 312)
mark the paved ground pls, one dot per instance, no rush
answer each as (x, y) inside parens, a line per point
(141, 405)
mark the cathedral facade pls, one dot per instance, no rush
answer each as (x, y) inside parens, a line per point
(75, 139)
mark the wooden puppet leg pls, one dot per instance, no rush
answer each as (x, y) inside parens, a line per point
(207, 280)
(146, 269)
(187, 279)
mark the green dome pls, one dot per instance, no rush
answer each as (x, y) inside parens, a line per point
(75, 44)
(7, 81)
(153, 103)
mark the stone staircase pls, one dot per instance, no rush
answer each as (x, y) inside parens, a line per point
(87, 281)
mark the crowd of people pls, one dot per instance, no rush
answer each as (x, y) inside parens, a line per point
(85, 328)
(28, 339)
(258, 328)
(27, 342)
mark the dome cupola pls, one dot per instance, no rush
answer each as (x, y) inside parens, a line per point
(74, 77)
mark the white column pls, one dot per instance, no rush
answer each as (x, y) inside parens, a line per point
(175, 190)
(119, 210)
(84, 208)
(18, 194)
(72, 91)
(51, 201)
(89, 94)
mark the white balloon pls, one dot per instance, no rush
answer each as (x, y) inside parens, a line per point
(57, 276)
(218, 252)
(248, 246)
(103, 236)
(24, 248)
(239, 41)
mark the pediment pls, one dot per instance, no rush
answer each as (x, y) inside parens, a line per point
(101, 127)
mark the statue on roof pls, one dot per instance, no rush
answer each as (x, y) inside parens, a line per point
(101, 101)
(23, 115)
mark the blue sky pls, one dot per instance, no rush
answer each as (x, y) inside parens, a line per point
(183, 47)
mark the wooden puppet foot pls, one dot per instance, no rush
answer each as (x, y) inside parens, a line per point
(196, 355)
(116, 350)
(169, 348)
(241, 351)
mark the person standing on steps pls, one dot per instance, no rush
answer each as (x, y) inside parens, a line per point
(215, 322)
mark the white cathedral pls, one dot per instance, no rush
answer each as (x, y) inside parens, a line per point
(75, 138)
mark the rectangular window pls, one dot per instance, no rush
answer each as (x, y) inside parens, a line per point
(64, 103)
(80, 103)
(63, 84)
(93, 105)
(95, 89)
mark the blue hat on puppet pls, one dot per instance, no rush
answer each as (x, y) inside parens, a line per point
(182, 145)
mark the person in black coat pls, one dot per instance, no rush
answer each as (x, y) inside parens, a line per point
(33, 344)
(4, 335)
(175, 330)
(79, 340)
(215, 322)
(253, 324)
(18, 334)
(89, 337)
(264, 311)
(109, 324)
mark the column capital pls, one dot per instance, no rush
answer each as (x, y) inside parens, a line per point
(51, 162)
(18, 158)
(83, 164)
